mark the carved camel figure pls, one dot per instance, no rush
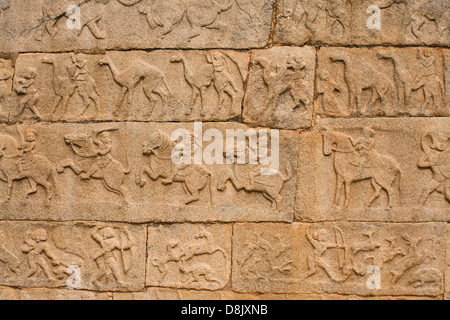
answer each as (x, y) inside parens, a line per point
(199, 80)
(360, 76)
(154, 82)
(402, 77)
(63, 86)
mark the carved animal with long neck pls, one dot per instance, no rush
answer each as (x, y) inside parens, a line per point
(199, 80)
(154, 81)
(360, 76)
(63, 86)
(402, 77)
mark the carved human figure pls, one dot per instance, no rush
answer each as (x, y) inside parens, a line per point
(429, 82)
(97, 146)
(224, 83)
(435, 156)
(25, 88)
(112, 262)
(85, 85)
(24, 163)
(193, 177)
(321, 244)
(327, 89)
(356, 160)
(42, 254)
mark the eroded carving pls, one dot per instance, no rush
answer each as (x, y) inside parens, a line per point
(166, 15)
(190, 260)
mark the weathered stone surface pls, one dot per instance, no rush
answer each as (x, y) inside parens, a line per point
(416, 22)
(280, 88)
(189, 256)
(344, 258)
(66, 180)
(102, 257)
(447, 77)
(51, 294)
(133, 85)
(42, 25)
(362, 82)
(374, 170)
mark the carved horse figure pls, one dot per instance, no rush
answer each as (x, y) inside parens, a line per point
(110, 171)
(270, 186)
(382, 170)
(193, 177)
(40, 171)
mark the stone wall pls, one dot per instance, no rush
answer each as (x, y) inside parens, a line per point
(93, 206)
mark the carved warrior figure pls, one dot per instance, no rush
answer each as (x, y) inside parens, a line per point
(185, 258)
(18, 163)
(43, 255)
(356, 160)
(25, 88)
(194, 178)
(55, 10)
(248, 177)
(429, 82)
(285, 78)
(153, 83)
(436, 156)
(116, 256)
(199, 13)
(97, 147)
(74, 79)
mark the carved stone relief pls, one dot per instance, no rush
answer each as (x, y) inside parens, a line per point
(355, 258)
(418, 22)
(189, 256)
(383, 170)
(90, 256)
